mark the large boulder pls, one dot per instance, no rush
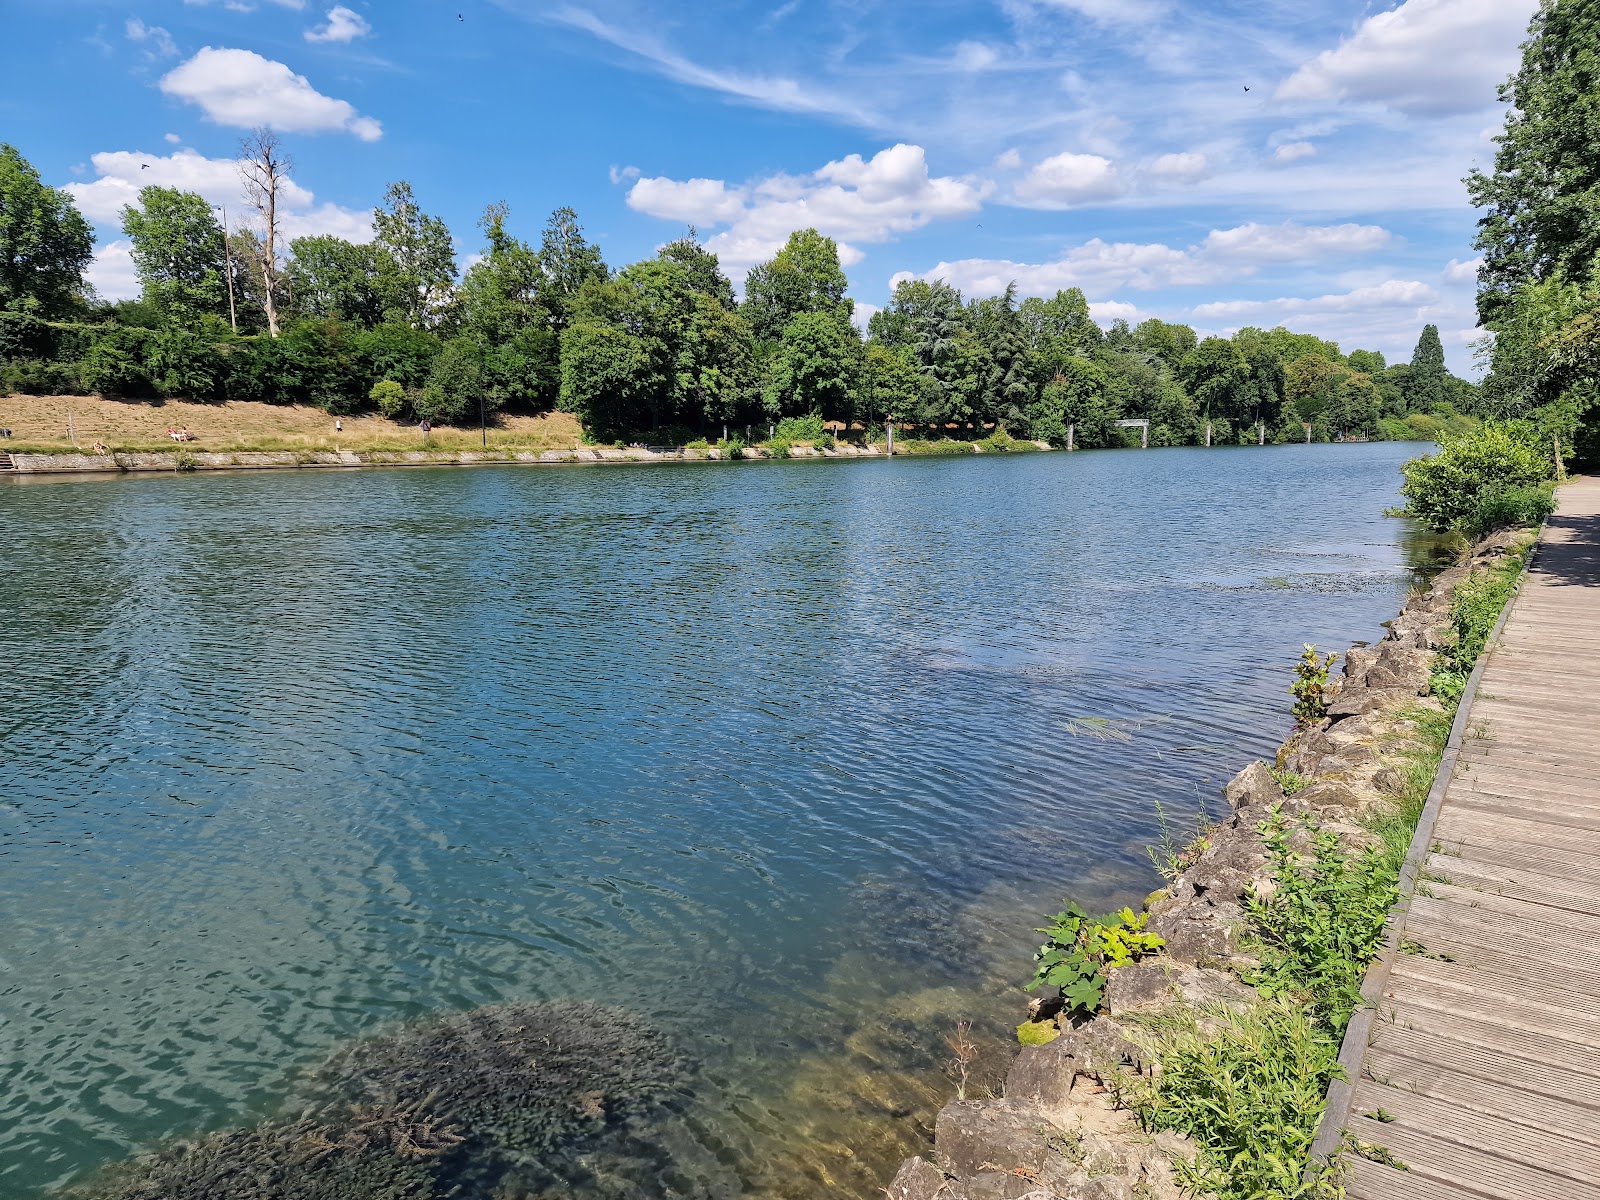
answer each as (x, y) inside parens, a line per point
(1252, 787)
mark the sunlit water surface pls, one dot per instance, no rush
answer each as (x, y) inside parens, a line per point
(785, 757)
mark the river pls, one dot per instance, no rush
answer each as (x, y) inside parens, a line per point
(787, 757)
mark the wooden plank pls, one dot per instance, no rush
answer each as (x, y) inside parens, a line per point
(1457, 822)
(1559, 961)
(1531, 886)
(1491, 1176)
(1544, 759)
(1420, 1015)
(1573, 866)
(1365, 1180)
(1523, 1075)
(1533, 926)
(1459, 988)
(1515, 1135)
(1587, 923)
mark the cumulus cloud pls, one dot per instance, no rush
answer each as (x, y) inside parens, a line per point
(852, 199)
(344, 25)
(111, 272)
(157, 41)
(1099, 266)
(1393, 293)
(1428, 57)
(1181, 168)
(1290, 242)
(240, 88)
(621, 174)
(1293, 151)
(1457, 271)
(1067, 180)
(123, 172)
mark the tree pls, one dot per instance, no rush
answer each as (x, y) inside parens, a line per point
(179, 253)
(1539, 204)
(503, 306)
(1079, 395)
(422, 257)
(605, 371)
(1428, 384)
(1368, 362)
(264, 167)
(704, 271)
(1169, 342)
(45, 244)
(997, 325)
(816, 369)
(1214, 371)
(1059, 329)
(569, 261)
(803, 277)
(330, 277)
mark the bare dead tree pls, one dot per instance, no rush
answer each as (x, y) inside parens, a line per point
(263, 166)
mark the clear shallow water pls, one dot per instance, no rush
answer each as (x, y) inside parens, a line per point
(780, 755)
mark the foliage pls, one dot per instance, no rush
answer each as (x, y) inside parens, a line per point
(1478, 476)
(45, 244)
(1310, 687)
(456, 390)
(802, 278)
(801, 429)
(389, 396)
(1250, 1089)
(419, 258)
(179, 254)
(1178, 848)
(330, 277)
(1475, 606)
(1081, 950)
(817, 367)
(1322, 922)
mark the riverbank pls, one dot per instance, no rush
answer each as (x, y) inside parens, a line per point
(92, 435)
(1204, 1068)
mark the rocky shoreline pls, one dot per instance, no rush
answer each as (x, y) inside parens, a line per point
(1058, 1133)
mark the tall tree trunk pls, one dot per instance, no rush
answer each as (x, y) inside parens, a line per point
(263, 167)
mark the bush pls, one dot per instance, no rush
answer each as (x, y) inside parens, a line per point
(33, 377)
(1477, 476)
(184, 365)
(111, 370)
(23, 336)
(808, 428)
(1514, 507)
(456, 385)
(389, 396)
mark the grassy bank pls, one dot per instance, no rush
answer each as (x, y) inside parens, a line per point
(1249, 1086)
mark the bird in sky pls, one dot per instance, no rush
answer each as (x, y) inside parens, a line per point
(1247, 87)
(144, 166)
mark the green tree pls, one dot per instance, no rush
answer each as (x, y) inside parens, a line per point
(1008, 386)
(1428, 384)
(605, 376)
(704, 271)
(330, 277)
(570, 262)
(45, 244)
(420, 255)
(803, 277)
(1059, 329)
(179, 254)
(503, 304)
(1171, 343)
(1080, 395)
(457, 389)
(1540, 213)
(816, 369)
(893, 387)
(1215, 372)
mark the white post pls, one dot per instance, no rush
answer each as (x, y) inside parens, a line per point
(1071, 429)
(1208, 433)
(1261, 433)
(889, 429)
(1144, 436)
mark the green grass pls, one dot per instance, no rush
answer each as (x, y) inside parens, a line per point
(1474, 609)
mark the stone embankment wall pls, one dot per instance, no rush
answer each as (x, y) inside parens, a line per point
(201, 460)
(1057, 1133)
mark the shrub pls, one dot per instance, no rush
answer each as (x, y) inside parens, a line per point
(185, 365)
(1310, 687)
(778, 448)
(23, 336)
(112, 371)
(34, 377)
(1512, 508)
(456, 385)
(1081, 950)
(1474, 608)
(1463, 483)
(808, 428)
(389, 396)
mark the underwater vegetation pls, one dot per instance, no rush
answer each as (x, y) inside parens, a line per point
(489, 1102)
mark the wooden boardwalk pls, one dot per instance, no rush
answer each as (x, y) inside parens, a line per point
(1481, 1074)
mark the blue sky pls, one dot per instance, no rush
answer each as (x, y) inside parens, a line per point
(1224, 163)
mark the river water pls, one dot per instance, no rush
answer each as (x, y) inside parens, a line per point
(786, 757)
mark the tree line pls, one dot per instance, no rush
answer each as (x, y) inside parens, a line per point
(658, 348)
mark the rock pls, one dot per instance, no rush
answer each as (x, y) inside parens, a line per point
(974, 1136)
(1389, 781)
(1329, 794)
(918, 1179)
(1192, 940)
(1156, 982)
(1363, 700)
(1356, 661)
(1044, 1074)
(1252, 786)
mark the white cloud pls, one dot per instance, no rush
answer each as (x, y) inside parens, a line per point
(344, 25)
(123, 172)
(620, 174)
(1293, 151)
(1425, 57)
(974, 56)
(852, 199)
(172, 139)
(157, 41)
(1457, 271)
(240, 88)
(1395, 293)
(1008, 160)
(1066, 180)
(112, 274)
(1098, 266)
(1289, 242)
(767, 91)
(1109, 12)
(1181, 168)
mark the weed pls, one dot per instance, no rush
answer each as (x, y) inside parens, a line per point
(1175, 852)
(1101, 729)
(1068, 1143)
(965, 1052)
(1474, 609)
(1081, 950)
(1290, 781)
(1382, 1115)
(1310, 687)
(1373, 1152)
